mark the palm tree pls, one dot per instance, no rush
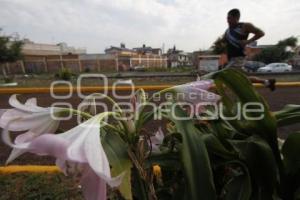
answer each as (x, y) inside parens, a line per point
(219, 46)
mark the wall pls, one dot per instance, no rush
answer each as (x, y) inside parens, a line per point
(38, 64)
(52, 63)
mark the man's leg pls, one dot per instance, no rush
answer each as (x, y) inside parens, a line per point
(239, 62)
(269, 83)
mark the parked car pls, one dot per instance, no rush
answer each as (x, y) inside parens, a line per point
(140, 68)
(276, 67)
(253, 66)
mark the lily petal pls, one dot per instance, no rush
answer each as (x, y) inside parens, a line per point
(157, 140)
(23, 138)
(193, 86)
(93, 188)
(14, 102)
(79, 148)
(2, 111)
(86, 146)
(31, 102)
(22, 121)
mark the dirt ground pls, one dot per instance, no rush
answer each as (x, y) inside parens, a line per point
(276, 100)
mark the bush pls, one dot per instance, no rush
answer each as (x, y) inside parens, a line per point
(156, 69)
(64, 74)
(9, 79)
(183, 69)
(87, 70)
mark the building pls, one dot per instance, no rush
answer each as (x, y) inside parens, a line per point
(252, 51)
(45, 58)
(144, 50)
(203, 54)
(98, 62)
(32, 48)
(121, 51)
(210, 63)
(128, 59)
(178, 58)
(49, 58)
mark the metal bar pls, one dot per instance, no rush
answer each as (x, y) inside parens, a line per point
(29, 169)
(109, 88)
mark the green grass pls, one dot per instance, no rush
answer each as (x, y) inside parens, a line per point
(25, 186)
(183, 69)
(43, 186)
(174, 69)
(45, 80)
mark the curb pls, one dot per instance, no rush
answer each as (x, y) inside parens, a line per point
(44, 90)
(81, 89)
(29, 169)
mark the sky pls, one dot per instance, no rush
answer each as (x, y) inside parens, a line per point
(189, 24)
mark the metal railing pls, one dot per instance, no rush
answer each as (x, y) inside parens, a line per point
(43, 90)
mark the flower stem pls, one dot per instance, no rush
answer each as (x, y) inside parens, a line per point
(142, 175)
(104, 96)
(76, 112)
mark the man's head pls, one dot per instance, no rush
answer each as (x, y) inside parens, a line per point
(233, 17)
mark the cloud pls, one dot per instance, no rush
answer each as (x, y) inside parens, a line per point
(97, 24)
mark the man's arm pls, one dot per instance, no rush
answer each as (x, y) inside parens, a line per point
(250, 28)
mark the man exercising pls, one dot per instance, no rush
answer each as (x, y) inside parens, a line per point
(236, 38)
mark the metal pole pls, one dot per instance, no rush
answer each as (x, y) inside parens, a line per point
(22, 66)
(61, 61)
(79, 65)
(98, 65)
(45, 64)
(117, 63)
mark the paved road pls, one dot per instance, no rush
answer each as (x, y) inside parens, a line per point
(277, 100)
(182, 74)
(140, 74)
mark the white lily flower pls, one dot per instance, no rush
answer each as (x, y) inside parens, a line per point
(28, 117)
(2, 111)
(280, 142)
(89, 104)
(79, 152)
(156, 140)
(196, 93)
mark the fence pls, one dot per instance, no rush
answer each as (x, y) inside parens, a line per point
(81, 63)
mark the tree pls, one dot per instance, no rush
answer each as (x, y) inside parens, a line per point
(219, 45)
(273, 54)
(278, 53)
(288, 42)
(10, 50)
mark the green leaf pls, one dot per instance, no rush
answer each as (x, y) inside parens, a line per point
(241, 86)
(223, 132)
(238, 188)
(259, 159)
(194, 158)
(290, 151)
(169, 159)
(297, 194)
(290, 114)
(266, 127)
(116, 151)
(144, 118)
(229, 108)
(214, 146)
